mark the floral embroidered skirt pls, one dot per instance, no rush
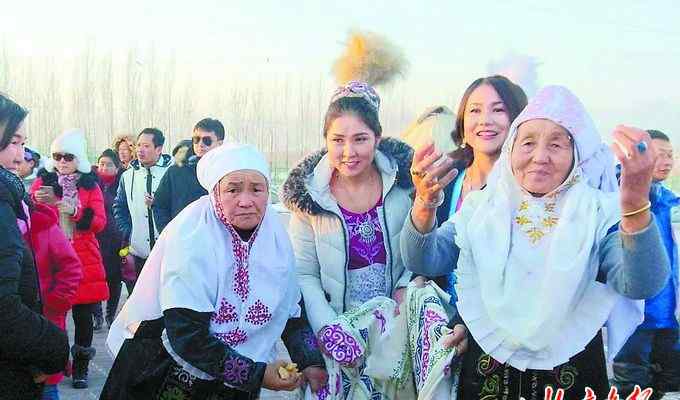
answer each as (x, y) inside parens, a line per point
(484, 378)
(144, 370)
(371, 354)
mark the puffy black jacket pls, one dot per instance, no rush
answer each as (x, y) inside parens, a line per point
(110, 238)
(178, 188)
(29, 343)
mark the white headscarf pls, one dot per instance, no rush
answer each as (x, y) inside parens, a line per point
(558, 104)
(200, 264)
(227, 158)
(528, 266)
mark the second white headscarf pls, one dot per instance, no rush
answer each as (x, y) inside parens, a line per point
(527, 270)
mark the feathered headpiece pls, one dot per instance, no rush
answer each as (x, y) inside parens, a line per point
(369, 60)
(520, 69)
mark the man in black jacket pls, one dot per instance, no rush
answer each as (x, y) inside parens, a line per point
(179, 185)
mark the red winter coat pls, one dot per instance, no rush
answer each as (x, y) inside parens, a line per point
(59, 269)
(90, 218)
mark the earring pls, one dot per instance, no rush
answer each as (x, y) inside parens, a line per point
(464, 145)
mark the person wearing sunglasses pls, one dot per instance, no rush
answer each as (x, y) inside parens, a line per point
(179, 186)
(68, 186)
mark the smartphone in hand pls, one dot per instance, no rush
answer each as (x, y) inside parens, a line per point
(45, 194)
(46, 189)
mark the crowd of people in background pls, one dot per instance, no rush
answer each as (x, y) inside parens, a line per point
(489, 257)
(91, 227)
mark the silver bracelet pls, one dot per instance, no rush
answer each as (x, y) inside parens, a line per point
(430, 205)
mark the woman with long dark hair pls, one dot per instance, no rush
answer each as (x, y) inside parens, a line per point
(546, 255)
(31, 347)
(486, 110)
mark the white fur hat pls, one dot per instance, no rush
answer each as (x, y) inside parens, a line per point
(72, 141)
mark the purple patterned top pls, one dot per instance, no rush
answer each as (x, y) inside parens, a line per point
(366, 243)
(367, 257)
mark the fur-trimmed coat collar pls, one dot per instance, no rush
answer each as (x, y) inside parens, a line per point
(86, 181)
(296, 192)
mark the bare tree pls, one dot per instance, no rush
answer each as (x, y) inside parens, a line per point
(4, 67)
(132, 90)
(107, 95)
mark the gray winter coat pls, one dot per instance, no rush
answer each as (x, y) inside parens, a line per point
(319, 235)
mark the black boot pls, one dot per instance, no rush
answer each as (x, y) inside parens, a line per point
(111, 309)
(109, 319)
(98, 317)
(81, 361)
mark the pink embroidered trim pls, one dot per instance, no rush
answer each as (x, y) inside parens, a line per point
(431, 318)
(258, 314)
(234, 337)
(236, 370)
(241, 276)
(240, 249)
(339, 345)
(226, 313)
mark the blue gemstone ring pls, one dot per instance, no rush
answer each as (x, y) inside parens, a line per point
(641, 147)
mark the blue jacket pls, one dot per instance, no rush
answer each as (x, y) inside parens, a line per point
(660, 311)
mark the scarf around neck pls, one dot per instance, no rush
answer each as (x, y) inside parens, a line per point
(107, 180)
(69, 184)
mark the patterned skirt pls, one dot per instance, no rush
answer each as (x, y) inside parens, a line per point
(144, 370)
(484, 378)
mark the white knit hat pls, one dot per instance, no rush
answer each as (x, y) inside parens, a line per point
(72, 141)
(227, 158)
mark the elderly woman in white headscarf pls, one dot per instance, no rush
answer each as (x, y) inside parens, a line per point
(216, 293)
(546, 256)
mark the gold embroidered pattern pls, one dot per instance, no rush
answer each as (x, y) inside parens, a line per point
(537, 219)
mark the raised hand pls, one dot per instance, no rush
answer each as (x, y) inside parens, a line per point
(633, 147)
(430, 177)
